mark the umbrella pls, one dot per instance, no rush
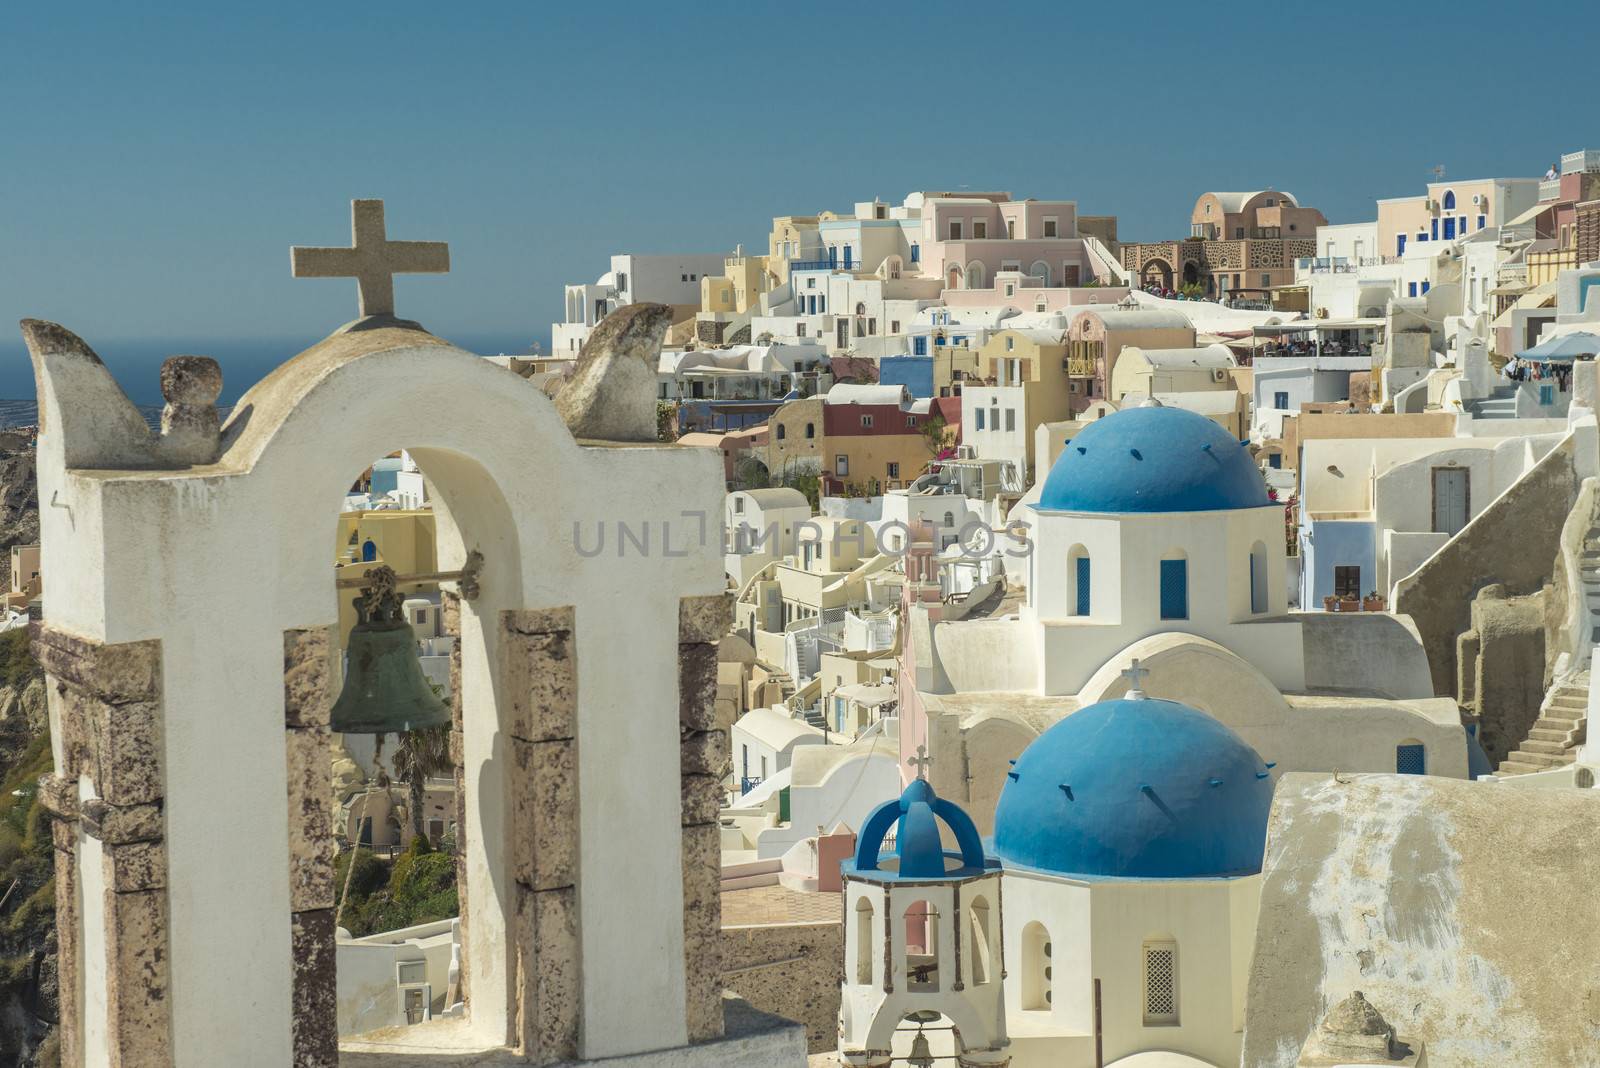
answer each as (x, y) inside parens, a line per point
(1565, 347)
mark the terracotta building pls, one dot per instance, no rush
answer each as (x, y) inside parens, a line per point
(1240, 245)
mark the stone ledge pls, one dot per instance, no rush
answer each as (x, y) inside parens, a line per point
(117, 674)
(124, 824)
(704, 619)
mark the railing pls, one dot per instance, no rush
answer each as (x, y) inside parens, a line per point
(821, 265)
(1549, 189)
(748, 783)
(1336, 264)
(1578, 162)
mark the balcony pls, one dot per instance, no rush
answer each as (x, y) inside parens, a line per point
(1336, 264)
(1584, 162)
(1549, 189)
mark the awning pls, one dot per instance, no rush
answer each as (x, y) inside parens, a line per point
(1531, 214)
(1563, 348)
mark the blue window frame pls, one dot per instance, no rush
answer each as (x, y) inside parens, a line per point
(1547, 396)
(1410, 760)
(1449, 199)
(847, 257)
(1425, 286)
(1174, 589)
(1411, 289)
(812, 304)
(916, 252)
(1400, 244)
(1482, 219)
(919, 346)
(1280, 400)
(833, 255)
(1433, 229)
(1084, 588)
(1449, 229)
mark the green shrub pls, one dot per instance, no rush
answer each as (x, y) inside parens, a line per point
(17, 665)
(370, 876)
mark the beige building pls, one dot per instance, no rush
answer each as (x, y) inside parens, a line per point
(1449, 211)
(793, 237)
(1096, 338)
(1239, 244)
(1153, 372)
(26, 583)
(402, 539)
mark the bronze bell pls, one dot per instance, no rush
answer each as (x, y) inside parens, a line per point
(385, 691)
(921, 1052)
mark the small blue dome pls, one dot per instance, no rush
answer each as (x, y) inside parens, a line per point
(1153, 460)
(1137, 789)
(918, 851)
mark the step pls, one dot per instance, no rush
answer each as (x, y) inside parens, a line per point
(1555, 723)
(1542, 734)
(1533, 745)
(1578, 700)
(1540, 760)
(1516, 767)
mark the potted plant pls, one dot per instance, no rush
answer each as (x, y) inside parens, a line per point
(1330, 603)
(1372, 602)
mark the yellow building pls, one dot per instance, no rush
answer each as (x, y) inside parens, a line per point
(792, 237)
(404, 540)
(738, 288)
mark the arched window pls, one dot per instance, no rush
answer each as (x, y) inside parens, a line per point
(954, 278)
(1079, 574)
(1036, 977)
(1258, 578)
(1160, 982)
(783, 431)
(1449, 199)
(982, 947)
(922, 946)
(1411, 758)
(864, 941)
(811, 430)
(975, 275)
(1175, 586)
(1041, 271)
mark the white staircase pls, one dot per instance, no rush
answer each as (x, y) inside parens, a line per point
(1501, 404)
(1561, 727)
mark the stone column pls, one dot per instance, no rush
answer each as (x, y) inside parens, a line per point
(307, 704)
(540, 679)
(106, 702)
(702, 621)
(450, 623)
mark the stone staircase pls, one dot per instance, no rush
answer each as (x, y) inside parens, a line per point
(1501, 404)
(1562, 724)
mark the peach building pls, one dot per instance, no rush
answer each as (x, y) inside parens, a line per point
(1238, 244)
(1451, 210)
(1098, 336)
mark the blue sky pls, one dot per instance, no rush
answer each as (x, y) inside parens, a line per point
(159, 159)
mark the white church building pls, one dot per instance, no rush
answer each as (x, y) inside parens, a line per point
(1111, 922)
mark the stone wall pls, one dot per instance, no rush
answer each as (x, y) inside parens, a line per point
(1514, 542)
(793, 970)
(702, 621)
(105, 701)
(1501, 661)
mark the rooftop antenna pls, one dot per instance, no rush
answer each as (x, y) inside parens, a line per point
(1438, 173)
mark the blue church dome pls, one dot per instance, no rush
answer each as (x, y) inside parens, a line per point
(918, 850)
(1138, 789)
(1153, 460)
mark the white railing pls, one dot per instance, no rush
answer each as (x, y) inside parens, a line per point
(1580, 162)
(1549, 189)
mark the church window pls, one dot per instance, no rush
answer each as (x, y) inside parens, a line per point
(1175, 589)
(1258, 578)
(1036, 976)
(783, 431)
(1161, 984)
(864, 941)
(1081, 584)
(981, 947)
(1410, 758)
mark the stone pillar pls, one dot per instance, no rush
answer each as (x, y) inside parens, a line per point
(450, 623)
(106, 702)
(307, 704)
(702, 621)
(540, 678)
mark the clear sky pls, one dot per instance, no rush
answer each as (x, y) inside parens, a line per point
(158, 160)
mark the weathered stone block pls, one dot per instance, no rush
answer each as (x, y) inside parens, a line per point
(548, 979)
(128, 752)
(64, 836)
(138, 988)
(59, 795)
(313, 996)
(124, 824)
(75, 711)
(697, 686)
(311, 849)
(540, 672)
(702, 929)
(703, 752)
(120, 673)
(545, 813)
(702, 799)
(135, 866)
(532, 621)
(460, 777)
(705, 619)
(307, 677)
(458, 740)
(69, 963)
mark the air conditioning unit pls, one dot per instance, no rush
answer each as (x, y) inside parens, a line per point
(1477, 198)
(1219, 375)
(1433, 206)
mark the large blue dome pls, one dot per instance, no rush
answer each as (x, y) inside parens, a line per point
(1153, 460)
(1138, 789)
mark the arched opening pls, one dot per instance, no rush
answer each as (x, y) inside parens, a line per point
(1041, 271)
(1258, 579)
(811, 430)
(1174, 582)
(1080, 580)
(1037, 977)
(922, 947)
(369, 551)
(1160, 966)
(953, 277)
(1449, 200)
(864, 941)
(976, 275)
(1156, 272)
(1191, 273)
(982, 941)
(783, 431)
(861, 319)
(1411, 758)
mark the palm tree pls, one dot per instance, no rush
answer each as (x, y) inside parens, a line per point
(419, 755)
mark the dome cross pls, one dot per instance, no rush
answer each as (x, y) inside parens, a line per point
(922, 761)
(1135, 675)
(372, 260)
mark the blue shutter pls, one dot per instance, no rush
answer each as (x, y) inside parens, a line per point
(1410, 760)
(1083, 585)
(1174, 589)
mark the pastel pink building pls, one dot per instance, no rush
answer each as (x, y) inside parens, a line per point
(968, 238)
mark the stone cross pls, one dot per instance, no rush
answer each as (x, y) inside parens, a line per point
(1135, 675)
(373, 260)
(922, 761)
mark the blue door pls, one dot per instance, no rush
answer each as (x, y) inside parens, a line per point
(369, 551)
(847, 257)
(1400, 244)
(1433, 229)
(1174, 589)
(1449, 229)
(1083, 585)
(833, 255)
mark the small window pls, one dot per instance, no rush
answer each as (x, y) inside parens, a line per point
(1161, 984)
(894, 326)
(1410, 758)
(1011, 343)
(911, 420)
(1011, 419)
(955, 229)
(1175, 589)
(979, 418)
(738, 502)
(811, 430)
(980, 229)
(1346, 581)
(841, 465)
(1049, 227)
(866, 422)
(894, 470)
(994, 418)
(1011, 289)
(783, 431)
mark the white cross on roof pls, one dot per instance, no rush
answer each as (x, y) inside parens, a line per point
(372, 260)
(1135, 675)
(921, 761)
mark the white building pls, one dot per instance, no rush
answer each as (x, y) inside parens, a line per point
(672, 279)
(759, 527)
